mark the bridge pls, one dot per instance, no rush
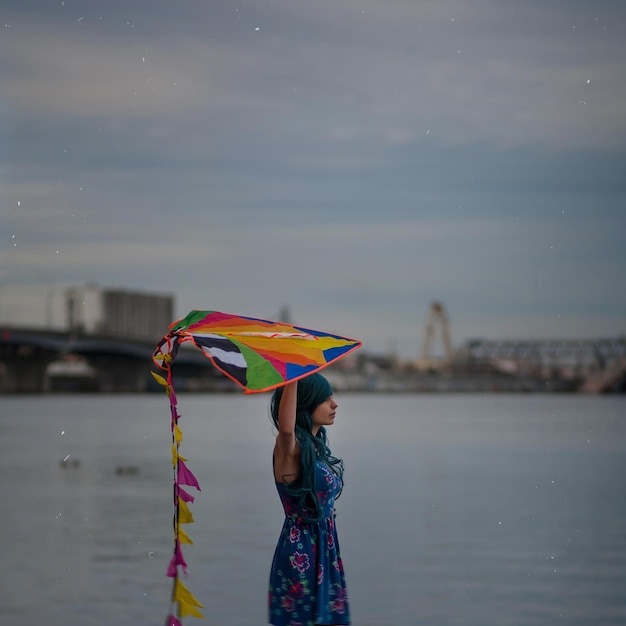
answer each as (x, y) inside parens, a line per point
(586, 353)
(117, 363)
(600, 363)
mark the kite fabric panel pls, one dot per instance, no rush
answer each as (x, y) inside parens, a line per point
(257, 354)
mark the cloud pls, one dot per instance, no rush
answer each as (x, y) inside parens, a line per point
(353, 160)
(92, 76)
(473, 73)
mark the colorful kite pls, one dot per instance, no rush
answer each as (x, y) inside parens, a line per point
(258, 355)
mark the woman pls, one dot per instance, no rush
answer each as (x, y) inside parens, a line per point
(307, 583)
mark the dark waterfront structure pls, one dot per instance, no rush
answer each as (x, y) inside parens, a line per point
(36, 361)
(40, 361)
(105, 344)
(106, 340)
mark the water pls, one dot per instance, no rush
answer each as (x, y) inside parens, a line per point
(458, 510)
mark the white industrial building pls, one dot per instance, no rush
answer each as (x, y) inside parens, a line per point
(91, 309)
(118, 313)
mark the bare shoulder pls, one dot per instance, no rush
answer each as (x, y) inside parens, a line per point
(286, 462)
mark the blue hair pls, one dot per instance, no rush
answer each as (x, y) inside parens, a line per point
(312, 391)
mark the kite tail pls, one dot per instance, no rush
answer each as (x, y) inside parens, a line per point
(182, 601)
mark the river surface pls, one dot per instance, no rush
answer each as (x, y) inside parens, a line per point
(458, 510)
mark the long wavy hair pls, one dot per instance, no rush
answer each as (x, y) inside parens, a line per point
(312, 391)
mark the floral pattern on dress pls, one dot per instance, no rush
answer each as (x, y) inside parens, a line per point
(294, 534)
(307, 581)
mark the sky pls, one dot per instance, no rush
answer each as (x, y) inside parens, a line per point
(354, 160)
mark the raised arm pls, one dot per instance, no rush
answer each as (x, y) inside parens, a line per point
(286, 451)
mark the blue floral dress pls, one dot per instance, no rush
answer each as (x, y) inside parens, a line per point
(307, 582)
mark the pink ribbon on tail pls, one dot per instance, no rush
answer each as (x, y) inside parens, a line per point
(177, 559)
(172, 621)
(175, 415)
(185, 476)
(180, 492)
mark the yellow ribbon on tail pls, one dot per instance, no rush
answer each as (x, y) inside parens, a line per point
(184, 514)
(183, 536)
(163, 382)
(187, 603)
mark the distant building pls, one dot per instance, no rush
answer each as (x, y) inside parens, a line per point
(118, 313)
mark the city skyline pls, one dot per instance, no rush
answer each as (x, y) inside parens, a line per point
(351, 161)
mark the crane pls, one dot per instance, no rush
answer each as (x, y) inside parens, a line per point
(436, 314)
